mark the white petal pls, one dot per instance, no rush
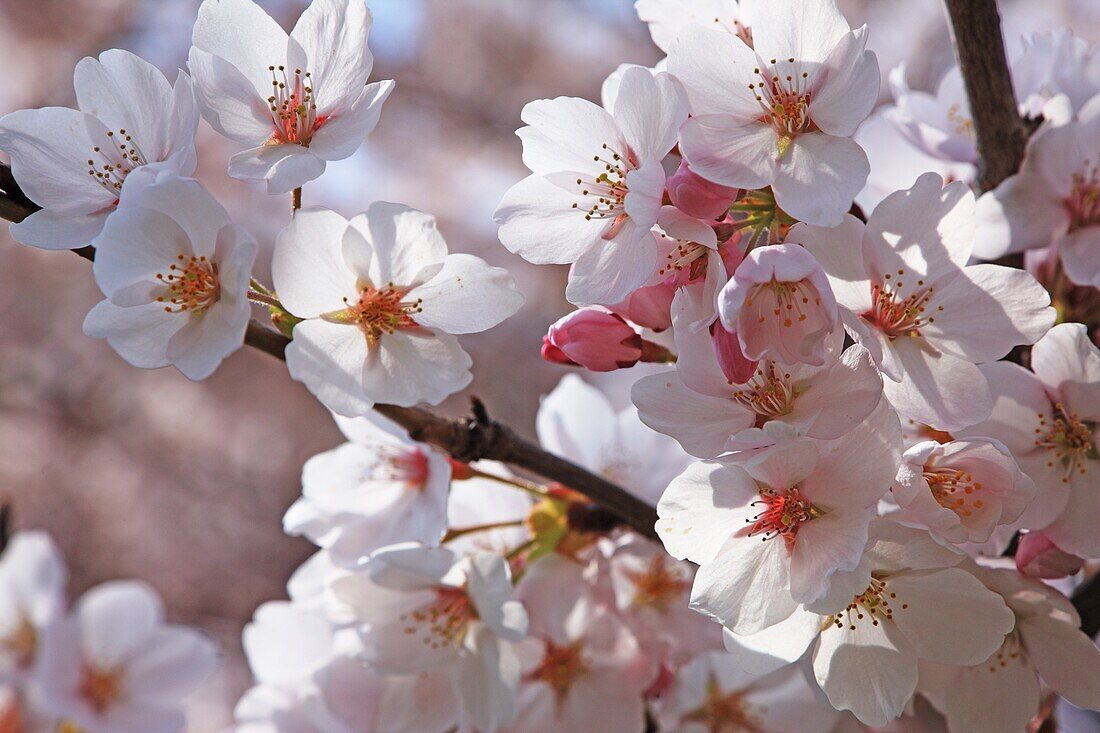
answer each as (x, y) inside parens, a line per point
(539, 223)
(987, 311)
(868, 670)
(1066, 658)
(285, 167)
(341, 136)
(486, 680)
(649, 111)
(990, 698)
(823, 546)
(840, 251)
(333, 34)
(229, 101)
(818, 177)
(140, 334)
(701, 423)
(308, 267)
(850, 87)
(1068, 363)
(328, 358)
(116, 618)
(412, 367)
(746, 586)
(730, 152)
(805, 29)
(952, 618)
(466, 296)
(173, 662)
(576, 421)
(939, 390)
(716, 69)
(406, 243)
(240, 32)
(50, 229)
(613, 269)
(702, 508)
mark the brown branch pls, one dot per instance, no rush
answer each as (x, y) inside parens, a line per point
(473, 438)
(999, 131)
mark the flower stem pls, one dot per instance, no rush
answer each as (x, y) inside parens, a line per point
(257, 297)
(296, 199)
(455, 533)
(531, 488)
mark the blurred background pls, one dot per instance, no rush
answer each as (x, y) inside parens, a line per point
(142, 474)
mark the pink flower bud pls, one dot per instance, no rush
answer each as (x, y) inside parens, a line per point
(1038, 557)
(650, 307)
(696, 196)
(727, 348)
(593, 338)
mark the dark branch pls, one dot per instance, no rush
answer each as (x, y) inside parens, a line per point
(473, 438)
(999, 131)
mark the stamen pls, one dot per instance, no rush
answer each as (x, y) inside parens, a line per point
(562, 665)
(191, 285)
(876, 603)
(378, 312)
(1070, 440)
(662, 585)
(114, 164)
(444, 621)
(769, 393)
(783, 514)
(897, 314)
(293, 108)
(1083, 203)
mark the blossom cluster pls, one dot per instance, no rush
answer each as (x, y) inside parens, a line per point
(838, 451)
(109, 664)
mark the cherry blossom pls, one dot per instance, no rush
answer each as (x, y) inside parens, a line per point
(1038, 557)
(73, 163)
(175, 271)
(32, 601)
(712, 693)
(297, 101)
(115, 666)
(769, 534)
(576, 421)
(1048, 420)
(937, 124)
(381, 301)
(1054, 199)
(581, 670)
(961, 490)
(696, 196)
(596, 185)
(706, 411)
(780, 305)
(1055, 63)
(422, 608)
(926, 317)
(907, 603)
(1002, 693)
(781, 112)
(593, 338)
(651, 593)
(377, 489)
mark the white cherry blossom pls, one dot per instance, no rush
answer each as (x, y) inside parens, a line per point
(712, 693)
(707, 412)
(73, 163)
(906, 603)
(1048, 420)
(381, 301)
(576, 421)
(1002, 693)
(961, 490)
(32, 601)
(421, 609)
(1054, 199)
(299, 100)
(596, 185)
(907, 294)
(115, 666)
(782, 111)
(175, 271)
(377, 489)
(769, 534)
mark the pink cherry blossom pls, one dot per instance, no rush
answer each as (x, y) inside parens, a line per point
(906, 293)
(596, 185)
(781, 306)
(649, 306)
(593, 338)
(666, 18)
(1048, 420)
(696, 196)
(961, 490)
(1055, 198)
(1038, 557)
(780, 113)
(769, 534)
